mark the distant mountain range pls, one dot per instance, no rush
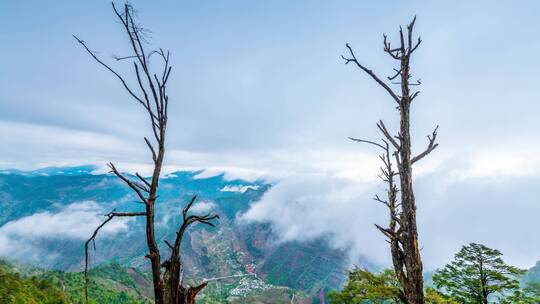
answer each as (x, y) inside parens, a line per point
(47, 214)
(69, 199)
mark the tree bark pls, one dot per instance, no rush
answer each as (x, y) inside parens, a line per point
(402, 231)
(414, 285)
(152, 95)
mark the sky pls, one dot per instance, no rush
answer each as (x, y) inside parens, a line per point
(259, 90)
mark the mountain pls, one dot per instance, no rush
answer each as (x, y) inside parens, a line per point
(47, 214)
(113, 284)
(532, 275)
(109, 283)
(15, 288)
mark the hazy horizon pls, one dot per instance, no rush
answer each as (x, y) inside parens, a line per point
(258, 90)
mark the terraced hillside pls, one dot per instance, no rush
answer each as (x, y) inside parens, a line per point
(231, 249)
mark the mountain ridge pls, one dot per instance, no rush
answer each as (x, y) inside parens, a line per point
(230, 248)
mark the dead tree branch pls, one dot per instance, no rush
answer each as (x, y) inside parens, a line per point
(174, 264)
(92, 239)
(369, 72)
(401, 233)
(432, 145)
(150, 91)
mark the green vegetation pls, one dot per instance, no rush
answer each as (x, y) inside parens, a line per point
(114, 284)
(17, 289)
(476, 274)
(433, 296)
(528, 295)
(108, 284)
(365, 287)
(232, 293)
(532, 275)
(307, 266)
(304, 267)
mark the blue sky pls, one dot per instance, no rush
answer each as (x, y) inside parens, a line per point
(259, 89)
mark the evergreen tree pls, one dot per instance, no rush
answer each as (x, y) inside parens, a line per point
(476, 273)
(528, 295)
(433, 296)
(365, 287)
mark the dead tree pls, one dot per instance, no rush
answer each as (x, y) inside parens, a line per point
(402, 233)
(151, 94)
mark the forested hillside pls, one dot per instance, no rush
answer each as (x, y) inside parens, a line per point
(114, 284)
(17, 289)
(269, 152)
(247, 251)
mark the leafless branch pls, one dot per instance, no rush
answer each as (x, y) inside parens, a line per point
(154, 157)
(120, 58)
(128, 182)
(432, 145)
(401, 233)
(414, 95)
(398, 73)
(152, 95)
(369, 72)
(124, 83)
(143, 180)
(387, 232)
(168, 244)
(367, 142)
(187, 220)
(386, 134)
(110, 216)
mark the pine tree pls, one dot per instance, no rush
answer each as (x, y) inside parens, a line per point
(477, 274)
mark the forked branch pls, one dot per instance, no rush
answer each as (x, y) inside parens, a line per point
(369, 72)
(387, 134)
(92, 239)
(98, 60)
(136, 188)
(151, 93)
(187, 220)
(402, 232)
(432, 145)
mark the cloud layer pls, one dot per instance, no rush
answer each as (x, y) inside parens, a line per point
(454, 208)
(20, 238)
(265, 94)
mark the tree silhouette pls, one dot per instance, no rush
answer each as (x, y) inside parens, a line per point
(402, 230)
(152, 95)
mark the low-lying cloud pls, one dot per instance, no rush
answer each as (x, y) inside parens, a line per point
(20, 238)
(202, 207)
(309, 207)
(239, 188)
(454, 208)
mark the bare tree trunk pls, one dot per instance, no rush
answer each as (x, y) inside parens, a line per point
(152, 95)
(402, 232)
(413, 263)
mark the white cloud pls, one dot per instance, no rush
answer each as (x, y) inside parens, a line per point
(309, 207)
(77, 221)
(238, 188)
(454, 209)
(289, 125)
(202, 207)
